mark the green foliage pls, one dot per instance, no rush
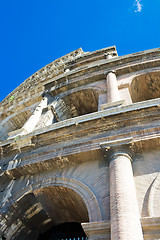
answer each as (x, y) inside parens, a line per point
(16, 138)
(11, 98)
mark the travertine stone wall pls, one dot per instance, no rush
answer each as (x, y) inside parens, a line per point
(146, 171)
(54, 167)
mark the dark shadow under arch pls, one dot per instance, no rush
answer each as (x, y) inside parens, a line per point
(62, 204)
(47, 210)
(145, 87)
(76, 103)
(64, 231)
(82, 102)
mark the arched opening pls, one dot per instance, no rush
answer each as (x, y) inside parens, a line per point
(13, 123)
(67, 210)
(82, 102)
(75, 104)
(47, 213)
(62, 204)
(145, 87)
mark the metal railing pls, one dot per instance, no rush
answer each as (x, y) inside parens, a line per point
(76, 238)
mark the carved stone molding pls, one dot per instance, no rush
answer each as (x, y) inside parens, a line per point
(123, 147)
(97, 230)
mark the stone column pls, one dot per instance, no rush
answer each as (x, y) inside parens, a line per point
(111, 81)
(112, 88)
(34, 118)
(125, 217)
(113, 96)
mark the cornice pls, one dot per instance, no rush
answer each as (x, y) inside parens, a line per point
(55, 68)
(43, 76)
(97, 72)
(45, 147)
(108, 113)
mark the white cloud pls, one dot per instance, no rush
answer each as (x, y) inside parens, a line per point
(138, 5)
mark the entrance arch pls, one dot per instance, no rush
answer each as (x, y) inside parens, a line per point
(89, 198)
(62, 204)
(66, 209)
(51, 202)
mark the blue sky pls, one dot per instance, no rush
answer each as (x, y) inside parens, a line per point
(36, 32)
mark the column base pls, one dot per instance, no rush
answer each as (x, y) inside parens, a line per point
(17, 133)
(112, 104)
(97, 230)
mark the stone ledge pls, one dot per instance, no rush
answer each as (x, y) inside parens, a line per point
(151, 227)
(90, 117)
(112, 104)
(35, 77)
(97, 230)
(101, 230)
(114, 64)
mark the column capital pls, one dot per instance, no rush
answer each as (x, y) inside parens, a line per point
(46, 93)
(123, 147)
(110, 71)
(118, 142)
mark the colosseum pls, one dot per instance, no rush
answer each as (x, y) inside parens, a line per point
(80, 149)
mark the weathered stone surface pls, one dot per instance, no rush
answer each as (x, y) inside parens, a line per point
(56, 130)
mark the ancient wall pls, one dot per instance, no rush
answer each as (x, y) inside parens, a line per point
(79, 142)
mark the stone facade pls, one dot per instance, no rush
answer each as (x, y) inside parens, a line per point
(79, 142)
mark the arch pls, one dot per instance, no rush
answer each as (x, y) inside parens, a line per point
(75, 102)
(81, 88)
(13, 123)
(80, 188)
(81, 102)
(26, 204)
(151, 203)
(153, 199)
(145, 86)
(62, 204)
